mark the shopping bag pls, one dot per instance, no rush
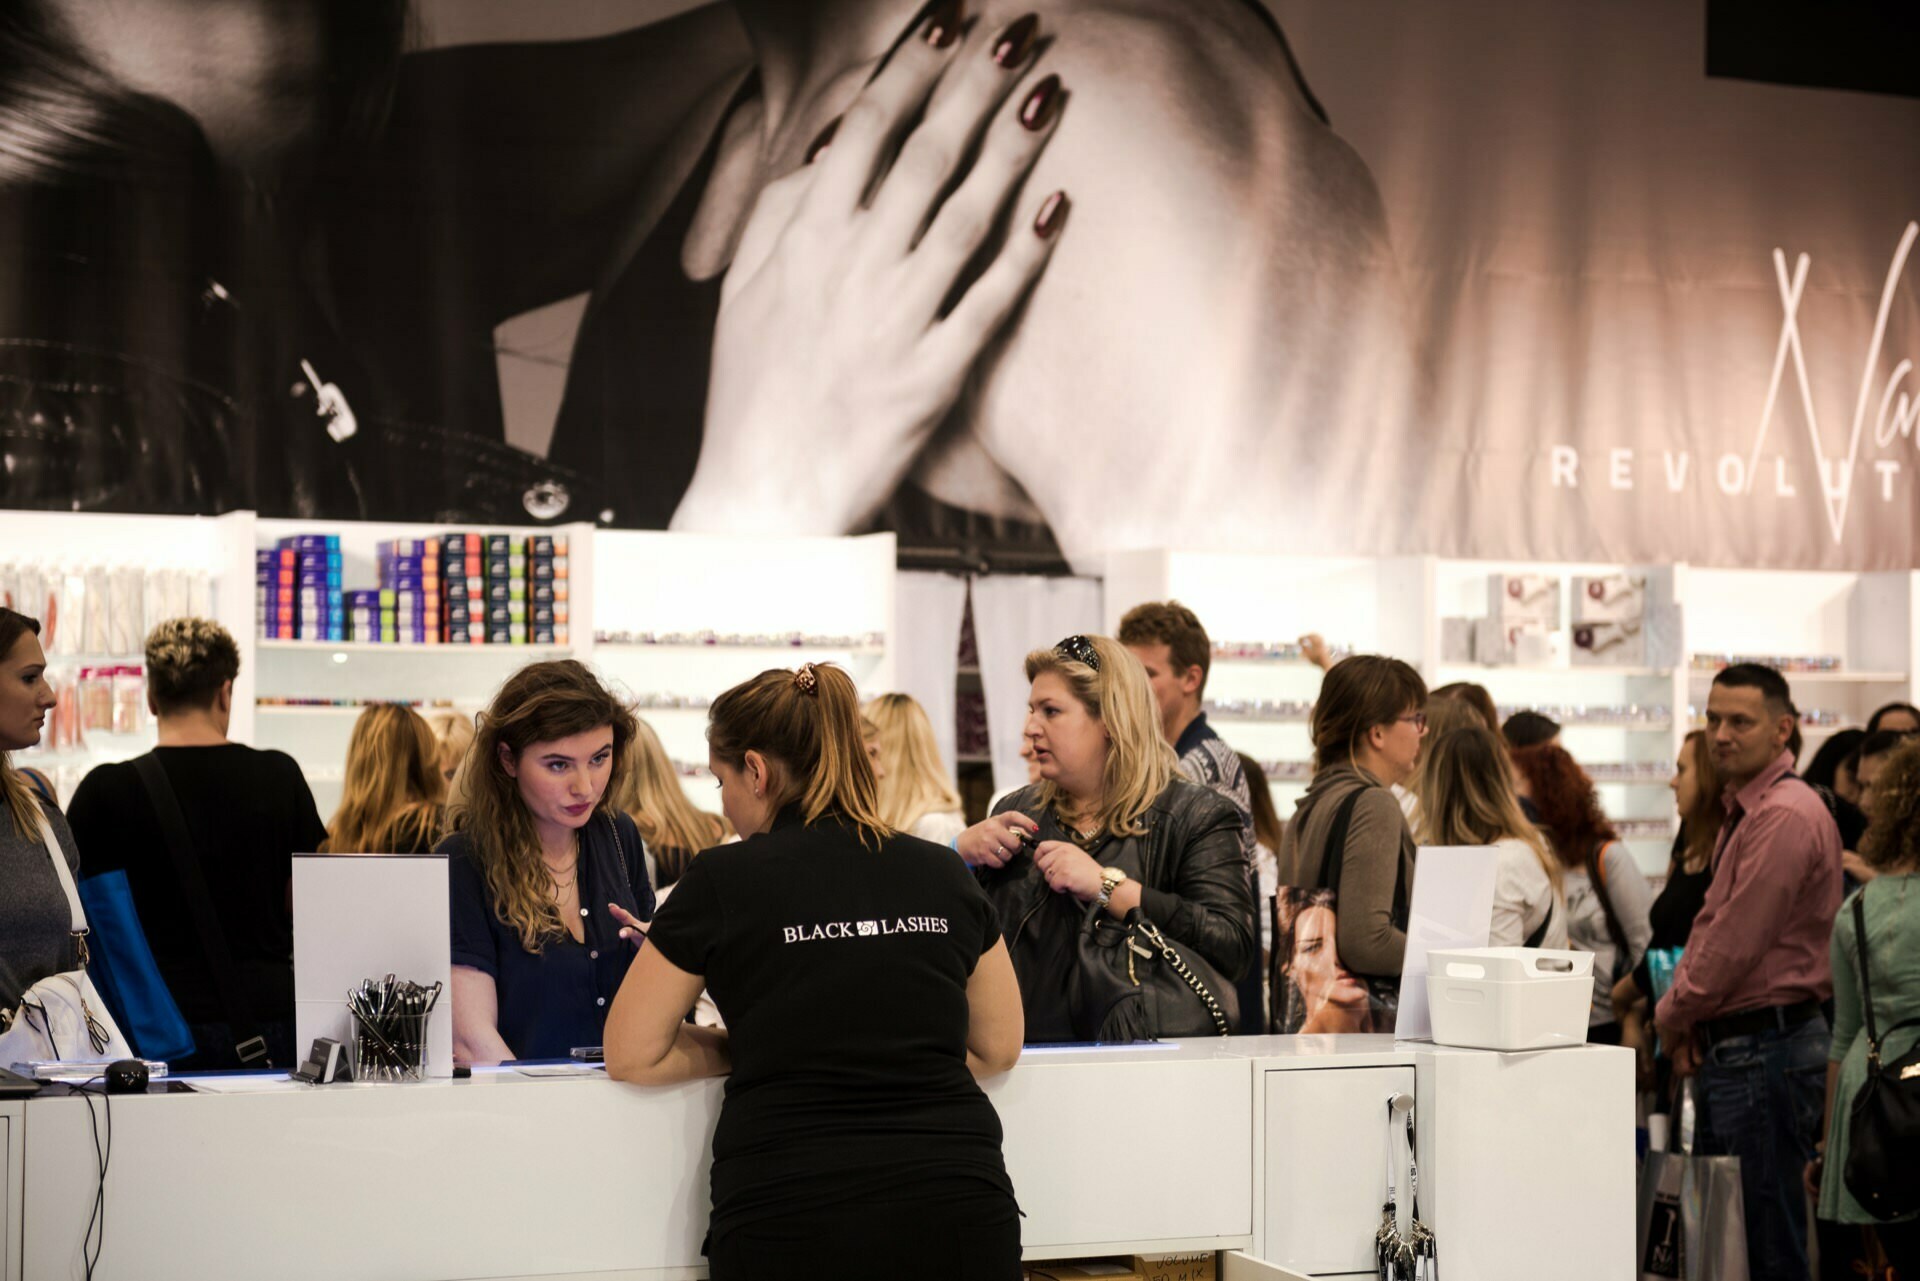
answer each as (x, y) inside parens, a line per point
(124, 971)
(1692, 1218)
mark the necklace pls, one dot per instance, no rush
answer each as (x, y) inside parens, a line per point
(573, 870)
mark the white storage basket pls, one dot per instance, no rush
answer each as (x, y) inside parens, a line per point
(1509, 998)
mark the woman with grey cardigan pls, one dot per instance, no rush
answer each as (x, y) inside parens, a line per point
(35, 925)
(1366, 728)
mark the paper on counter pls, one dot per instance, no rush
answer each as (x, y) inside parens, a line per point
(1452, 907)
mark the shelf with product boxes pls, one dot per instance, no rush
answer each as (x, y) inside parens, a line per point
(351, 613)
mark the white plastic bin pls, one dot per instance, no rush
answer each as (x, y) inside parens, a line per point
(1509, 998)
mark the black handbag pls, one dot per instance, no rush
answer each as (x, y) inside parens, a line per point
(1133, 983)
(1885, 1127)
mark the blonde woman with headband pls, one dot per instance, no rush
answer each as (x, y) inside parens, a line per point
(1467, 798)
(865, 987)
(1111, 828)
(547, 879)
(916, 794)
(394, 800)
(674, 829)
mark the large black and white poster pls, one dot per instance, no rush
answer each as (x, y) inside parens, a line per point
(1552, 281)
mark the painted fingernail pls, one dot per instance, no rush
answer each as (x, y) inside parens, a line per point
(1016, 42)
(1052, 214)
(944, 21)
(820, 143)
(1042, 105)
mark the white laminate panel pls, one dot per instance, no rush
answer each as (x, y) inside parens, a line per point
(441, 1181)
(1326, 1165)
(12, 1188)
(1529, 1157)
(1138, 1147)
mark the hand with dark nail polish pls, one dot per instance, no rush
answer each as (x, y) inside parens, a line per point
(856, 334)
(1015, 45)
(1043, 104)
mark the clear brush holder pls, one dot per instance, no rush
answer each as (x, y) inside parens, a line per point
(393, 1049)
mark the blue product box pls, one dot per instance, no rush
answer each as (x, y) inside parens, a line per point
(311, 543)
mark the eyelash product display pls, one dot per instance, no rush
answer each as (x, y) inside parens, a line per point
(458, 588)
(101, 610)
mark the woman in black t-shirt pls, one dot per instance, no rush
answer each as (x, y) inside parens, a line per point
(864, 986)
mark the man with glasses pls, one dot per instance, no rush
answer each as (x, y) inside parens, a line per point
(1744, 1015)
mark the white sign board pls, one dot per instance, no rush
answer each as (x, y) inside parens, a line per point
(1452, 907)
(365, 916)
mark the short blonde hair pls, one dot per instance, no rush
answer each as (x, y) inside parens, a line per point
(188, 660)
(1140, 764)
(915, 782)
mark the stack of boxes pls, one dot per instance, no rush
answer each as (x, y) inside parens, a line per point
(460, 588)
(466, 595)
(410, 601)
(297, 592)
(273, 592)
(1626, 620)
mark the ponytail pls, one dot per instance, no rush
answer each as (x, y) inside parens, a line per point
(809, 722)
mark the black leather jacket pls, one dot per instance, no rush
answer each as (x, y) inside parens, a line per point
(1194, 886)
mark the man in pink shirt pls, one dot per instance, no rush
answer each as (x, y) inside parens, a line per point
(1744, 1015)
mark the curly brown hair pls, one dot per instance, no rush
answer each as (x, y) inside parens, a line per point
(1569, 806)
(1893, 835)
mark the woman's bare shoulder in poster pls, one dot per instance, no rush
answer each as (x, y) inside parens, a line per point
(1228, 305)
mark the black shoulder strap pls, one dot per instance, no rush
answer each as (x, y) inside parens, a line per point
(1540, 933)
(1336, 851)
(1866, 986)
(248, 1044)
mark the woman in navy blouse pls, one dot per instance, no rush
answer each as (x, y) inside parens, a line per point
(544, 872)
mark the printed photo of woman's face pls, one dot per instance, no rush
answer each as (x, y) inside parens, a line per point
(1325, 996)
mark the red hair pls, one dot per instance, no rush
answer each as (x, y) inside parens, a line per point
(1569, 807)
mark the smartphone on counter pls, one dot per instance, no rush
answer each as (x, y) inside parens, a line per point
(587, 1054)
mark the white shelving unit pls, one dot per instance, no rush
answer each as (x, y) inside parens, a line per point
(666, 585)
(1867, 621)
(461, 678)
(219, 547)
(634, 583)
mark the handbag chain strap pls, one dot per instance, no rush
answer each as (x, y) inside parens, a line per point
(1185, 971)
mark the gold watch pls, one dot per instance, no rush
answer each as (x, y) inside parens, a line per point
(1110, 879)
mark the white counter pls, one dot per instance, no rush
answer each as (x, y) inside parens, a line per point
(506, 1175)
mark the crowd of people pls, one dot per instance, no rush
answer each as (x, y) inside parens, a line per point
(1141, 885)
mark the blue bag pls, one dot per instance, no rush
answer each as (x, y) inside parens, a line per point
(121, 965)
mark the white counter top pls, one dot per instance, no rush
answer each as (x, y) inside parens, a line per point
(513, 1175)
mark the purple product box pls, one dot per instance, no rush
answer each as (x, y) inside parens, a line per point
(543, 635)
(312, 543)
(499, 567)
(497, 616)
(499, 544)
